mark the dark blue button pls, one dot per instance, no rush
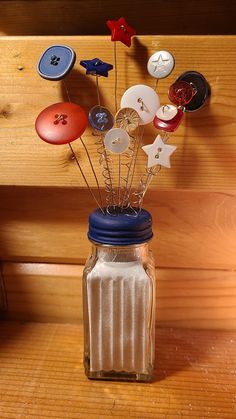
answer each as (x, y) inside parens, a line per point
(56, 62)
(100, 118)
(198, 81)
(96, 67)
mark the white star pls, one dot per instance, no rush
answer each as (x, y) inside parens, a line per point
(158, 152)
(160, 64)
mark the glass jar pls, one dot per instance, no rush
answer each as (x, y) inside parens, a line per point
(119, 298)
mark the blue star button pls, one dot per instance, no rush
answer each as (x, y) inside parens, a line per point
(56, 62)
(96, 67)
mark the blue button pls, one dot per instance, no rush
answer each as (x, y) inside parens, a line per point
(56, 62)
(100, 118)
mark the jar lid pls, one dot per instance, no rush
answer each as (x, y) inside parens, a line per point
(121, 229)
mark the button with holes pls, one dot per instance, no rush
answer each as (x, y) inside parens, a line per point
(116, 140)
(56, 62)
(144, 100)
(100, 118)
(127, 119)
(61, 123)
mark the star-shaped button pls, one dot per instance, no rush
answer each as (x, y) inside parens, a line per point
(121, 31)
(160, 64)
(96, 67)
(158, 153)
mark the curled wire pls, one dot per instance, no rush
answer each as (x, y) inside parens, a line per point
(127, 164)
(105, 162)
(144, 183)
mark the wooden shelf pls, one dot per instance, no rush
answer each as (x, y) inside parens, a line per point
(42, 376)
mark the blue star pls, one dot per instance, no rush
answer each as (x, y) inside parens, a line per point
(96, 67)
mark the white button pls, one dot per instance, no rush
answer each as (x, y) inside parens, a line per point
(144, 100)
(158, 153)
(167, 112)
(161, 64)
(116, 140)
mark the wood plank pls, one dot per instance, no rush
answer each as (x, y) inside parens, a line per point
(3, 299)
(42, 376)
(72, 17)
(191, 229)
(185, 297)
(206, 147)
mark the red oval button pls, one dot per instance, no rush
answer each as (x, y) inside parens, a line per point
(61, 123)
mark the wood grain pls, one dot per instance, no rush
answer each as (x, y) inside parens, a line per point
(42, 376)
(206, 147)
(3, 297)
(185, 297)
(72, 17)
(191, 229)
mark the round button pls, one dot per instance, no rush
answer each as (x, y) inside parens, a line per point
(116, 140)
(127, 119)
(171, 125)
(167, 112)
(161, 64)
(100, 118)
(56, 62)
(202, 89)
(181, 92)
(144, 100)
(61, 123)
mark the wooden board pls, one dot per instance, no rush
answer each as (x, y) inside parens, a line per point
(185, 297)
(42, 376)
(191, 229)
(206, 147)
(73, 17)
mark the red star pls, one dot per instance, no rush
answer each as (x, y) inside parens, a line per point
(121, 31)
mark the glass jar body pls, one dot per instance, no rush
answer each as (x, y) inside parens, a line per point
(119, 313)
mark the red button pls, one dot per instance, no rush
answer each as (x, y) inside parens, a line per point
(171, 125)
(61, 123)
(181, 92)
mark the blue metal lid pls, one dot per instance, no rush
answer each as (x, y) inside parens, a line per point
(56, 62)
(121, 229)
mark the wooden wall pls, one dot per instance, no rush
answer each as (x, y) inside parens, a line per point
(88, 17)
(44, 206)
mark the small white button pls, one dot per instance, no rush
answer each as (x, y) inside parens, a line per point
(116, 140)
(158, 152)
(144, 100)
(161, 64)
(167, 112)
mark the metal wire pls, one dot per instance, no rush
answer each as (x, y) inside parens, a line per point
(105, 162)
(82, 173)
(116, 81)
(146, 179)
(94, 173)
(98, 93)
(89, 159)
(129, 156)
(134, 160)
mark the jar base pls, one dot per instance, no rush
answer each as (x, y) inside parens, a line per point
(118, 375)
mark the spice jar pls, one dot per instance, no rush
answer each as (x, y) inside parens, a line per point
(119, 297)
